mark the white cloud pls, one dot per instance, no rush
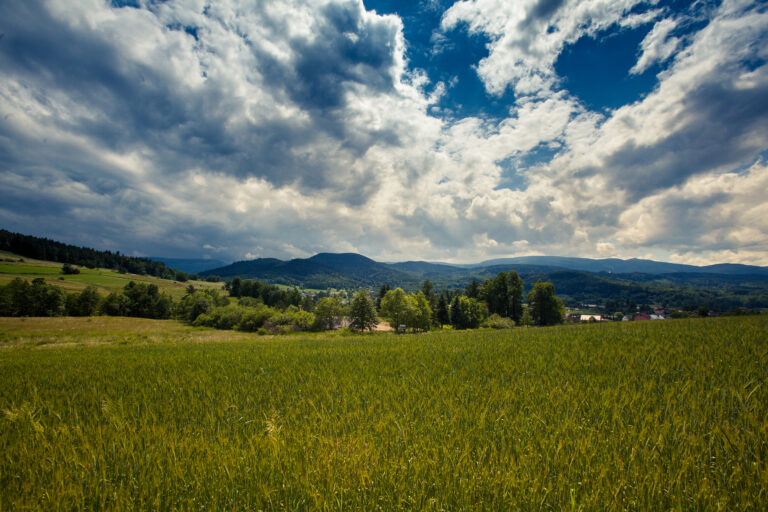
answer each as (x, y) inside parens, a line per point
(294, 127)
(725, 213)
(657, 46)
(528, 35)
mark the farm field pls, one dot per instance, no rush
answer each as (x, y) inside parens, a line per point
(104, 280)
(628, 416)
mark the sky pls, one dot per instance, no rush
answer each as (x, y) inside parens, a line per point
(439, 130)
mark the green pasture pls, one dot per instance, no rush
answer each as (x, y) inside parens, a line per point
(652, 416)
(104, 280)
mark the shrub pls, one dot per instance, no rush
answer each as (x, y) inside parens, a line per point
(254, 319)
(496, 321)
(69, 269)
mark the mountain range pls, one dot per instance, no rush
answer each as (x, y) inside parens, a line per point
(576, 279)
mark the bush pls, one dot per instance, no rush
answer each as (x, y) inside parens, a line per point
(195, 304)
(304, 320)
(69, 269)
(496, 321)
(254, 319)
(226, 317)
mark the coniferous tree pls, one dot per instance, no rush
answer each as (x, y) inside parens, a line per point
(362, 312)
(382, 292)
(443, 317)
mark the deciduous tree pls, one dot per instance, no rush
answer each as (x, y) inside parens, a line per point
(544, 306)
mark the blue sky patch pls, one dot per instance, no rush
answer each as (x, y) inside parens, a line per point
(446, 57)
(596, 69)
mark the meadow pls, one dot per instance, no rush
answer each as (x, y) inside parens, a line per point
(666, 415)
(104, 280)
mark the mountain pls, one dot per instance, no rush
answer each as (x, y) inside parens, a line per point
(190, 265)
(634, 265)
(325, 270)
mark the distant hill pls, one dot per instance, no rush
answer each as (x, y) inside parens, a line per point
(688, 286)
(190, 265)
(614, 265)
(322, 271)
(721, 286)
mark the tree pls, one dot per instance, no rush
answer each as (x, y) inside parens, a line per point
(504, 295)
(419, 314)
(20, 298)
(394, 307)
(515, 290)
(307, 304)
(146, 301)
(495, 292)
(234, 287)
(85, 303)
(45, 300)
(443, 317)
(382, 292)
(195, 304)
(429, 291)
(545, 307)
(114, 304)
(467, 313)
(362, 313)
(328, 313)
(473, 289)
(457, 315)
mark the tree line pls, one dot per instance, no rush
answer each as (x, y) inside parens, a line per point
(496, 302)
(50, 250)
(258, 307)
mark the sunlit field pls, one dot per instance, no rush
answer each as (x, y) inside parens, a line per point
(104, 280)
(638, 416)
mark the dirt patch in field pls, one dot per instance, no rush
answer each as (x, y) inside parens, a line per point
(383, 326)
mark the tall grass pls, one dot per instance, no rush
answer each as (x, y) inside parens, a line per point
(646, 416)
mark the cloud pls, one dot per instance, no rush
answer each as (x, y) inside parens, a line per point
(725, 213)
(247, 95)
(281, 129)
(657, 46)
(527, 36)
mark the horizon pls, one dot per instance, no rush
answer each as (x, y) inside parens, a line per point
(441, 131)
(226, 263)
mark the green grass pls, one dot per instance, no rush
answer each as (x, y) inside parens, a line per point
(631, 416)
(104, 280)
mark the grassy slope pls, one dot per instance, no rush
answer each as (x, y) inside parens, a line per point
(104, 280)
(647, 416)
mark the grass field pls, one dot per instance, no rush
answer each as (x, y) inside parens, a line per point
(629, 416)
(104, 280)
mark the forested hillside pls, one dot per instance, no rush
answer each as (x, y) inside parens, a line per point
(50, 250)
